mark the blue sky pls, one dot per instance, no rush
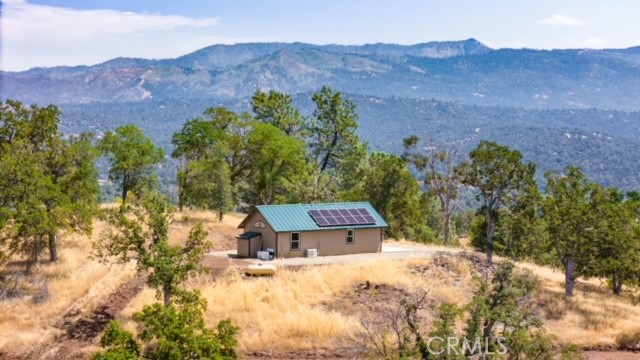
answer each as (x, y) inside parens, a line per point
(65, 32)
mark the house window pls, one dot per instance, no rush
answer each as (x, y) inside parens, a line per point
(259, 224)
(295, 241)
(351, 239)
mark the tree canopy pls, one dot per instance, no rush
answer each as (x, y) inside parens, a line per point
(132, 158)
(49, 182)
(497, 172)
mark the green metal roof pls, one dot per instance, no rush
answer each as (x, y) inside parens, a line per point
(295, 217)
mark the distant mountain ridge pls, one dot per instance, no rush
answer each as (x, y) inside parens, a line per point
(463, 71)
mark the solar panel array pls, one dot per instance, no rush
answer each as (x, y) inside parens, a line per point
(338, 217)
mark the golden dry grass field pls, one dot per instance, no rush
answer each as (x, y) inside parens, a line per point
(303, 307)
(75, 284)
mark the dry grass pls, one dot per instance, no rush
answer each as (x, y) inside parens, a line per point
(594, 317)
(288, 312)
(74, 283)
(221, 234)
(78, 283)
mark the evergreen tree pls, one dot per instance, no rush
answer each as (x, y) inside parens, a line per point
(277, 109)
(333, 129)
(496, 172)
(618, 236)
(571, 211)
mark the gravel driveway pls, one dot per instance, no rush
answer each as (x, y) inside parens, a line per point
(389, 252)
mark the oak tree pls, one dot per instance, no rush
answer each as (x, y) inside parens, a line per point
(132, 158)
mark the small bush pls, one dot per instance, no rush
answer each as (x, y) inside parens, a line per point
(629, 340)
(176, 331)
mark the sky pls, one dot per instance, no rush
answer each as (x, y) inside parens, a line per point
(45, 33)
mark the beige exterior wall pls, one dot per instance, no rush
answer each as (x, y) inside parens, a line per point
(331, 242)
(243, 247)
(267, 240)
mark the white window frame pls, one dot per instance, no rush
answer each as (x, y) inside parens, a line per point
(352, 236)
(299, 242)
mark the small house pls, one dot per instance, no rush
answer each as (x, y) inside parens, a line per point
(300, 230)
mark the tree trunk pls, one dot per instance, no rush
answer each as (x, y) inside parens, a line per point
(125, 188)
(180, 198)
(325, 161)
(166, 294)
(489, 220)
(569, 276)
(617, 285)
(182, 182)
(124, 193)
(447, 226)
(53, 246)
(220, 216)
(34, 258)
(487, 331)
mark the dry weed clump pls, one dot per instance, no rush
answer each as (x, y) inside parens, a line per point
(629, 340)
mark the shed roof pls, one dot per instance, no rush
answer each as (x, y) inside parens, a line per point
(248, 235)
(295, 217)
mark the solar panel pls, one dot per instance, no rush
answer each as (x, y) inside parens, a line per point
(336, 217)
(369, 219)
(354, 211)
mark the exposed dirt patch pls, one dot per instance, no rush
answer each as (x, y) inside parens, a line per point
(333, 354)
(366, 299)
(611, 355)
(218, 264)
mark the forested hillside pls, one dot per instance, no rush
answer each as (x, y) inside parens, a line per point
(602, 142)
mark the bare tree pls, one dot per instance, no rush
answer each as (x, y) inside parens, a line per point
(439, 164)
(394, 331)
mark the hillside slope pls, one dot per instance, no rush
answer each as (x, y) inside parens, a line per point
(464, 71)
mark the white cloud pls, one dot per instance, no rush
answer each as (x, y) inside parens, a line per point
(38, 35)
(561, 20)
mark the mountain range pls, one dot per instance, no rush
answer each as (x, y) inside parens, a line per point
(467, 71)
